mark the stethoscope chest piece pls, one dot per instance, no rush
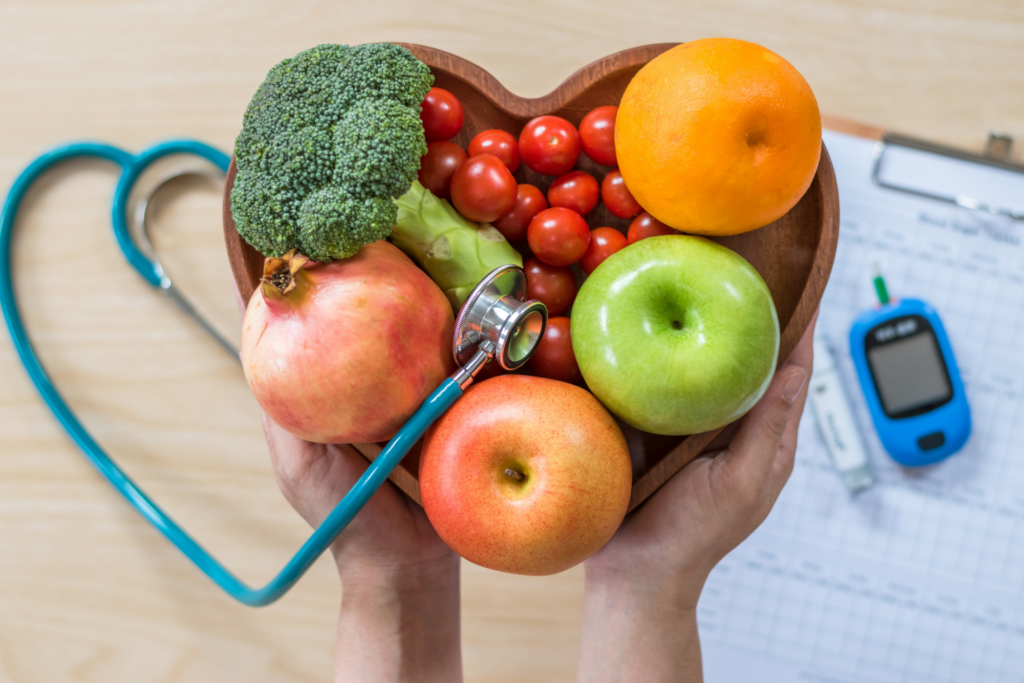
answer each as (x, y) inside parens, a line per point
(497, 321)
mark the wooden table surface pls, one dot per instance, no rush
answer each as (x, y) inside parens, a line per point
(88, 591)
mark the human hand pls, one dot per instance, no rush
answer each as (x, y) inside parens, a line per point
(400, 618)
(643, 586)
(390, 537)
(400, 608)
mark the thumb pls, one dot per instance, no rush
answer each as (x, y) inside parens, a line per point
(752, 451)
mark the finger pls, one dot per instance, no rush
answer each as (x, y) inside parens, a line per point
(782, 468)
(751, 455)
(721, 442)
(291, 459)
(802, 356)
(304, 469)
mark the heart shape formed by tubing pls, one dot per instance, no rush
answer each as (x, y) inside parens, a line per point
(132, 166)
(794, 254)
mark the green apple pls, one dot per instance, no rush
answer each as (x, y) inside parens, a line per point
(676, 334)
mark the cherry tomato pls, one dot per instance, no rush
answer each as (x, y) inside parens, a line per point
(553, 286)
(645, 225)
(597, 129)
(529, 202)
(493, 369)
(603, 243)
(616, 196)
(550, 145)
(438, 166)
(442, 115)
(558, 236)
(576, 190)
(553, 358)
(482, 189)
(499, 143)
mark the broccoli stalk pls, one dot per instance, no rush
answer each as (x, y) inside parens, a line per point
(329, 141)
(454, 252)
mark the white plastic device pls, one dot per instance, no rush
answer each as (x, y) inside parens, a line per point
(835, 420)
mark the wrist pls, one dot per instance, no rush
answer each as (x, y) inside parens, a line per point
(400, 623)
(409, 578)
(642, 630)
(674, 592)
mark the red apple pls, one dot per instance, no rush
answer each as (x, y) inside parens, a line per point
(525, 475)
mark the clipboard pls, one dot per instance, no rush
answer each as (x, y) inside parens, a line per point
(919, 578)
(996, 155)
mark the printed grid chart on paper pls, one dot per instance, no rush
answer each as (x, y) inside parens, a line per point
(920, 578)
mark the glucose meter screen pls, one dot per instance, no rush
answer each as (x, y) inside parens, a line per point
(909, 373)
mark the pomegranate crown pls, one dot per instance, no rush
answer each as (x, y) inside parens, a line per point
(279, 272)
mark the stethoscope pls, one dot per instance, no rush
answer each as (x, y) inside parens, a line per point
(495, 322)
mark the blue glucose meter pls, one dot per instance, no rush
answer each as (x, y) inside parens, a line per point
(909, 377)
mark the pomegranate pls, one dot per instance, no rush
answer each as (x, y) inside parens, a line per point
(345, 352)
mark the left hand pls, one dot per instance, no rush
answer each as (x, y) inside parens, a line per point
(400, 611)
(400, 582)
(389, 536)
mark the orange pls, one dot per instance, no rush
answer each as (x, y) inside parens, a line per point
(718, 136)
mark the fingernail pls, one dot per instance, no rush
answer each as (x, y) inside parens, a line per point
(793, 385)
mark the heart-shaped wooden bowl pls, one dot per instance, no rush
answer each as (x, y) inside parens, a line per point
(793, 255)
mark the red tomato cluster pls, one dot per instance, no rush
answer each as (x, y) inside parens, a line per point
(481, 187)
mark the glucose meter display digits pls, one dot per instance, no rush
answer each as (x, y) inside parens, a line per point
(906, 364)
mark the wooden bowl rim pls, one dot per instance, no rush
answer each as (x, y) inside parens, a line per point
(573, 86)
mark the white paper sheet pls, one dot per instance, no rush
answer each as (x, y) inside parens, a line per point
(920, 578)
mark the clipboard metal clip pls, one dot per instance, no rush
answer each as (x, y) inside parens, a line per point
(997, 153)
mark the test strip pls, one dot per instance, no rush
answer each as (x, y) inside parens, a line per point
(835, 421)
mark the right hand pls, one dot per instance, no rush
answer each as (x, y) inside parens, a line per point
(716, 501)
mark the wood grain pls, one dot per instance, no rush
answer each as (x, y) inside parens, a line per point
(861, 130)
(794, 254)
(91, 594)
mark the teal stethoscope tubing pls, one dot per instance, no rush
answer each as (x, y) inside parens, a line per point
(439, 401)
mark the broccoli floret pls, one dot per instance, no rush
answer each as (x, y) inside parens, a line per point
(373, 143)
(329, 141)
